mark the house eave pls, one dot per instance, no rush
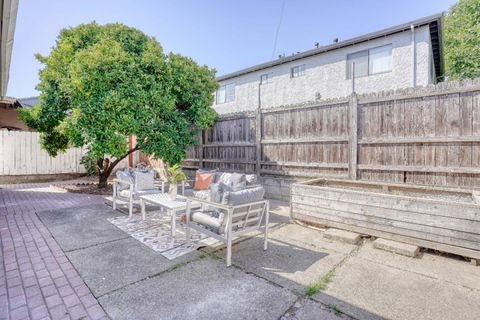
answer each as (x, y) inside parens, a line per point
(8, 18)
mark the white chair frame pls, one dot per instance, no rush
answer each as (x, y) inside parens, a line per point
(132, 194)
(229, 234)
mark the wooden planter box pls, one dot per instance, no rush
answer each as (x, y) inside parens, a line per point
(437, 218)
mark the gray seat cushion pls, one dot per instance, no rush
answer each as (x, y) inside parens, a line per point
(126, 193)
(208, 220)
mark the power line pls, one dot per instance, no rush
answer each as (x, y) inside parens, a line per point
(278, 30)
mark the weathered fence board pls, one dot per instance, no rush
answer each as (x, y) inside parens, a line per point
(21, 154)
(424, 136)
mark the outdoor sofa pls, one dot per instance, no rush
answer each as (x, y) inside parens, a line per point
(232, 205)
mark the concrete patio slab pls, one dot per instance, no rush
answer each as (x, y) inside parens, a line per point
(444, 268)
(203, 289)
(307, 309)
(294, 264)
(396, 293)
(113, 265)
(81, 227)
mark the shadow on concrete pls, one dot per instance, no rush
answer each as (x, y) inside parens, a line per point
(283, 257)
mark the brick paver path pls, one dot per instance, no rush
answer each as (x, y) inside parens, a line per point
(37, 281)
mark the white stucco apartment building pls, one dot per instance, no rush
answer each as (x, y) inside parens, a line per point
(403, 56)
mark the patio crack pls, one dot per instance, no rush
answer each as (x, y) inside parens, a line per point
(96, 244)
(170, 269)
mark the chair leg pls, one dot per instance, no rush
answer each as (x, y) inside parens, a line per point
(142, 208)
(187, 234)
(229, 251)
(187, 222)
(114, 198)
(229, 238)
(130, 207)
(267, 213)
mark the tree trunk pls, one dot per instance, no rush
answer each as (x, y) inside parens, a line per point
(102, 180)
(105, 168)
(103, 172)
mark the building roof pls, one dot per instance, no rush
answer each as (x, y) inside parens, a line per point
(433, 22)
(28, 102)
(8, 11)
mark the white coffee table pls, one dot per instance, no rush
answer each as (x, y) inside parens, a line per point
(164, 201)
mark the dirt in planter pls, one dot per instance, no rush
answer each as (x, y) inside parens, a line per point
(90, 188)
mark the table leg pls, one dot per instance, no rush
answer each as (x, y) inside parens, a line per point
(142, 207)
(172, 212)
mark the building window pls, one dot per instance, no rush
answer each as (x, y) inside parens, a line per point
(371, 61)
(226, 93)
(266, 78)
(360, 61)
(297, 71)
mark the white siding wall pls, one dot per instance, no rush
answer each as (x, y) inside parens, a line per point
(326, 74)
(21, 154)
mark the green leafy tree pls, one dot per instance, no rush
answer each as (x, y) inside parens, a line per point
(462, 40)
(103, 83)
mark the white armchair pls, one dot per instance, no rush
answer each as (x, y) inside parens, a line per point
(130, 186)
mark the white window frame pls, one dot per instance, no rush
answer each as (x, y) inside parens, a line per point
(369, 73)
(298, 71)
(268, 78)
(227, 96)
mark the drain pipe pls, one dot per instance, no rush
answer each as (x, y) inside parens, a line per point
(414, 57)
(258, 131)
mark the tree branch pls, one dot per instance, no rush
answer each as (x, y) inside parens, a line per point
(114, 163)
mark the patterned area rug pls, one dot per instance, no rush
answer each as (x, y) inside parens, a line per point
(155, 232)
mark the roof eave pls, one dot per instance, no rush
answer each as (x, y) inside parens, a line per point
(8, 18)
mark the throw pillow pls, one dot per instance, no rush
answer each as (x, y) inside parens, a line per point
(251, 179)
(238, 181)
(216, 192)
(223, 177)
(144, 180)
(236, 198)
(124, 176)
(216, 195)
(202, 180)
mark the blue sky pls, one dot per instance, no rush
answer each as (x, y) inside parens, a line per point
(225, 35)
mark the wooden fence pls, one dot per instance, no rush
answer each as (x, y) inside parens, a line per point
(21, 154)
(427, 136)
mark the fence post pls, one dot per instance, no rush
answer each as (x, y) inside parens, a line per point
(200, 149)
(353, 139)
